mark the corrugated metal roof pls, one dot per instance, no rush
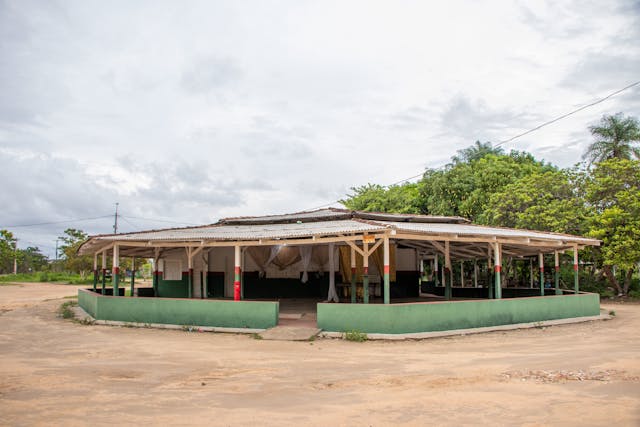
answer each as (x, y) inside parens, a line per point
(379, 216)
(250, 232)
(330, 214)
(329, 226)
(318, 215)
(479, 230)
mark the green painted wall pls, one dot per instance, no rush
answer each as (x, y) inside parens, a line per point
(88, 301)
(442, 316)
(174, 288)
(228, 314)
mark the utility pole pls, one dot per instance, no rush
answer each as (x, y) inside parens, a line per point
(15, 257)
(56, 249)
(115, 223)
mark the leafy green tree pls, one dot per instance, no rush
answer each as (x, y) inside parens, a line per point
(73, 262)
(477, 151)
(549, 200)
(465, 188)
(31, 260)
(376, 198)
(613, 191)
(616, 138)
(7, 251)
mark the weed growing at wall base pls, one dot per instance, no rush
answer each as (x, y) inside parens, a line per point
(355, 336)
(65, 311)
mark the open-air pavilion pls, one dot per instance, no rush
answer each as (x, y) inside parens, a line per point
(372, 272)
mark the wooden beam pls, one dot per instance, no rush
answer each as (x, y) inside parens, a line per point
(355, 248)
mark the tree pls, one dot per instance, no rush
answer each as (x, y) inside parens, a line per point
(477, 151)
(7, 251)
(31, 259)
(72, 240)
(616, 137)
(465, 188)
(549, 200)
(376, 198)
(613, 191)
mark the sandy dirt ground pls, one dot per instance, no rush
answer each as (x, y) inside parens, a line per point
(57, 372)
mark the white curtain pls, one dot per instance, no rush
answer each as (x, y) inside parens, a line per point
(333, 295)
(272, 255)
(305, 254)
(260, 255)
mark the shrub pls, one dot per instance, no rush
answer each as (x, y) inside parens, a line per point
(65, 310)
(355, 336)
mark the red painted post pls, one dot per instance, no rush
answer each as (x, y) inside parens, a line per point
(236, 271)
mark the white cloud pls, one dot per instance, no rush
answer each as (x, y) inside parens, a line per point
(199, 110)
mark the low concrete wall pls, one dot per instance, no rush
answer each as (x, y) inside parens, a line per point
(442, 316)
(219, 313)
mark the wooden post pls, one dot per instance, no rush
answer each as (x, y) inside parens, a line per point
(489, 272)
(116, 270)
(242, 251)
(576, 285)
(498, 270)
(133, 274)
(435, 270)
(190, 272)
(365, 273)
(387, 297)
(557, 272)
(447, 268)
(104, 271)
(332, 294)
(205, 281)
(354, 271)
(156, 271)
(475, 273)
(541, 262)
(95, 271)
(462, 274)
(201, 284)
(236, 273)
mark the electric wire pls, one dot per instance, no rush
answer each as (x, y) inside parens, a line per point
(547, 123)
(55, 222)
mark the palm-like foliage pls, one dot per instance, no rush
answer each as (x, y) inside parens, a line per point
(616, 138)
(477, 151)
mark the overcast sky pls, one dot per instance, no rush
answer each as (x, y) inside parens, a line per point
(193, 111)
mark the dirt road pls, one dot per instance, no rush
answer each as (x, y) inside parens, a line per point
(54, 372)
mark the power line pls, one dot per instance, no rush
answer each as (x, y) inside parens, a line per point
(584, 107)
(56, 222)
(135, 227)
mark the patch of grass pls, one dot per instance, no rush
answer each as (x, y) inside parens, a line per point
(256, 336)
(612, 313)
(46, 276)
(65, 311)
(355, 336)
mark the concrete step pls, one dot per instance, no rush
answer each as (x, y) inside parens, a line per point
(290, 333)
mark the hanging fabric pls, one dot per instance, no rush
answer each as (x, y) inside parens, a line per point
(332, 295)
(305, 255)
(320, 257)
(283, 256)
(260, 255)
